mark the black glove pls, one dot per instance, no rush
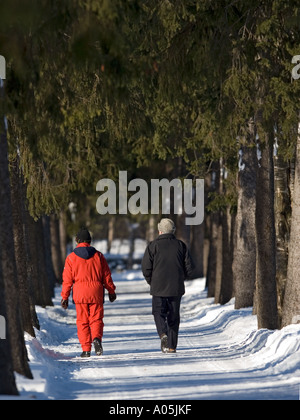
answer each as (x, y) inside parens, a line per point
(64, 303)
(112, 297)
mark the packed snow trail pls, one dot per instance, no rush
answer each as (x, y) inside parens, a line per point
(221, 355)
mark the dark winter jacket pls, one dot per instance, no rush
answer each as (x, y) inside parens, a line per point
(166, 265)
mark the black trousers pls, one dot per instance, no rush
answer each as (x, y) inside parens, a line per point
(166, 312)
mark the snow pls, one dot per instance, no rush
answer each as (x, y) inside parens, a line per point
(221, 354)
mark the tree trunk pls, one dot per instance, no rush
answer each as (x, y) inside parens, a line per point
(244, 264)
(28, 251)
(224, 255)
(57, 261)
(32, 246)
(63, 235)
(52, 280)
(46, 285)
(110, 233)
(9, 271)
(7, 379)
(282, 219)
(152, 228)
(291, 307)
(19, 242)
(41, 286)
(212, 269)
(266, 293)
(217, 258)
(197, 249)
(224, 284)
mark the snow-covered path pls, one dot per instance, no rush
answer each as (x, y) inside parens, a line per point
(221, 354)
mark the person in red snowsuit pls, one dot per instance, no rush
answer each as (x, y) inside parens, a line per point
(87, 273)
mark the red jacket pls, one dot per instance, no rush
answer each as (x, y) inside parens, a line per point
(87, 271)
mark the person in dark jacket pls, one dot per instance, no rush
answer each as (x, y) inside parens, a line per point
(166, 265)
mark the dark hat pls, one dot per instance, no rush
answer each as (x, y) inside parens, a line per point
(83, 236)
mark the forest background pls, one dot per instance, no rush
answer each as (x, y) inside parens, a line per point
(162, 89)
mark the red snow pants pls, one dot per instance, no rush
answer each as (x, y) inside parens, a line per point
(89, 323)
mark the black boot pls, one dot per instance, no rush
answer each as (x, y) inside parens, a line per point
(98, 346)
(85, 354)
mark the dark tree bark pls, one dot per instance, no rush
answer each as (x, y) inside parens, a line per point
(291, 307)
(28, 251)
(14, 319)
(224, 250)
(266, 293)
(41, 283)
(57, 261)
(282, 224)
(197, 249)
(213, 271)
(225, 289)
(244, 264)
(19, 241)
(7, 378)
(52, 280)
(45, 282)
(63, 236)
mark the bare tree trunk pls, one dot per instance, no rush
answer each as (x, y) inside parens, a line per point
(52, 280)
(224, 285)
(182, 230)
(266, 293)
(7, 379)
(57, 261)
(152, 228)
(244, 264)
(45, 281)
(282, 219)
(19, 242)
(41, 284)
(63, 234)
(110, 233)
(212, 269)
(218, 257)
(32, 245)
(28, 251)
(197, 249)
(7, 257)
(291, 307)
